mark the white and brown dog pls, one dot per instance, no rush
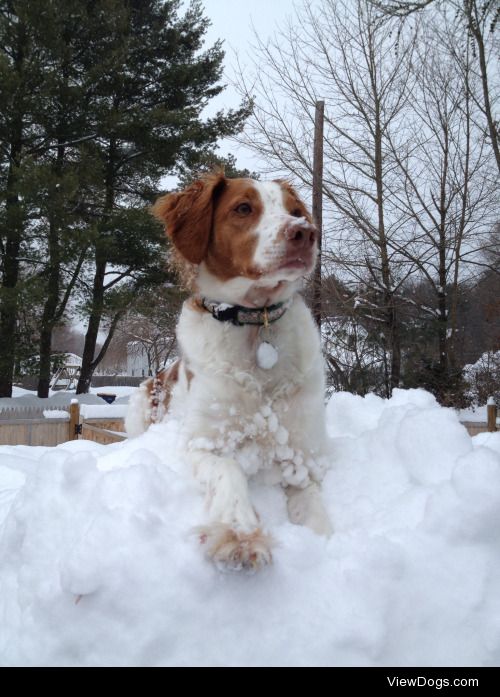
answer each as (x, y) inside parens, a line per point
(249, 387)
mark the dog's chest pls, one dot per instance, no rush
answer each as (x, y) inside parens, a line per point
(267, 360)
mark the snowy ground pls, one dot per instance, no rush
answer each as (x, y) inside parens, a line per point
(100, 566)
(475, 414)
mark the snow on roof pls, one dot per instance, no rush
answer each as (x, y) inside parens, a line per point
(72, 358)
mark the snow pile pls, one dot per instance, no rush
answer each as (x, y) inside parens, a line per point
(100, 566)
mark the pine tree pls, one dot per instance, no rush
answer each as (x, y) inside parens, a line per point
(20, 84)
(155, 81)
(100, 99)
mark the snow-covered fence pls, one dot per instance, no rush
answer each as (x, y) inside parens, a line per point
(102, 424)
(33, 412)
(49, 427)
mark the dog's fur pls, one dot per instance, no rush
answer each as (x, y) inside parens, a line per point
(247, 243)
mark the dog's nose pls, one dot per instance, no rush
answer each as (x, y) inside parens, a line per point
(301, 235)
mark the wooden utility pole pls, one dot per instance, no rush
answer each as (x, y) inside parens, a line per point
(317, 203)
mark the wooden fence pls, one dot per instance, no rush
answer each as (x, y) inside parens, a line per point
(475, 427)
(28, 426)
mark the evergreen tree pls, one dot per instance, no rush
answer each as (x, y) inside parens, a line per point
(20, 84)
(155, 81)
(100, 99)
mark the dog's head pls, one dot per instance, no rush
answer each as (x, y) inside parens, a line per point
(251, 242)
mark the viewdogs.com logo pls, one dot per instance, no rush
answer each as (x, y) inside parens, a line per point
(438, 683)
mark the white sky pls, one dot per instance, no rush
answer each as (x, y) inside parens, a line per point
(233, 22)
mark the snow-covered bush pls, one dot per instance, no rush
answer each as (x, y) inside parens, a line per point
(483, 378)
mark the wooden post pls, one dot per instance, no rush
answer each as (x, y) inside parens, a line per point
(317, 203)
(74, 419)
(491, 409)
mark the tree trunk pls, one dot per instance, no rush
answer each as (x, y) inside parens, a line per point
(442, 289)
(88, 366)
(395, 346)
(45, 354)
(9, 292)
(51, 307)
(88, 362)
(442, 342)
(391, 317)
(14, 229)
(469, 5)
(317, 207)
(49, 311)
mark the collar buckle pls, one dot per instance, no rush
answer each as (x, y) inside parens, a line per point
(240, 316)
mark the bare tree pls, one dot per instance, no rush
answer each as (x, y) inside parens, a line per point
(348, 55)
(447, 200)
(480, 20)
(149, 326)
(409, 180)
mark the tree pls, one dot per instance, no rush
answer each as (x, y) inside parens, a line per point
(348, 55)
(65, 37)
(20, 85)
(409, 181)
(155, 84)
(210, 162)
(99, 100)
(448, 197)
(480, 20)
(149, 325)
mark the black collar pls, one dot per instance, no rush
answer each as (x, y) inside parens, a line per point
(240, 316)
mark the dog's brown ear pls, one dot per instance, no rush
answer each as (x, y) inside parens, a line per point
(188, 216)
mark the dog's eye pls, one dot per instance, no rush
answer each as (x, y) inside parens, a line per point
(297, 213)
(243, 209)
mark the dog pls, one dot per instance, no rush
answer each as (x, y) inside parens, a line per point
(249, 386)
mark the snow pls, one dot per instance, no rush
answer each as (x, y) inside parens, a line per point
(20, 392)
(267, 356)
(55, 414)
(100, 564)
(103, 411)
(118, 390)
(71, 358)
(24, 398)
(475, 414)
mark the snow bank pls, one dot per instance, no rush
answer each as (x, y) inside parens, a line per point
(100, 566)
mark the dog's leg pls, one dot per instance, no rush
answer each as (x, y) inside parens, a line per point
(232, 537)
(305, 507)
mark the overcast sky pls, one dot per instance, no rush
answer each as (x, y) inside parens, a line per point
(232, 21)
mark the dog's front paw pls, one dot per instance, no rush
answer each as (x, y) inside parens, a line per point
(233, 550)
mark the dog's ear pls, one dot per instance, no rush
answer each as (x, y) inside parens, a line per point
(188, 216)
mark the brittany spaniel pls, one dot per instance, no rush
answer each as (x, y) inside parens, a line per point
(249, 387)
